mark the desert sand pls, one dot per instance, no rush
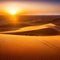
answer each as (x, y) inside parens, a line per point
(29, 47)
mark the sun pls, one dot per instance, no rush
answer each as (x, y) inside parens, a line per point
(13, 11)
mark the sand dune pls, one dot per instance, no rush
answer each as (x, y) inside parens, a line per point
(33, 47)
(29, 47)
(40, 30)
(26, 21)
(30, 28)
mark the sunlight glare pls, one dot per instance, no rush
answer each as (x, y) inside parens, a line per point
(12, 12)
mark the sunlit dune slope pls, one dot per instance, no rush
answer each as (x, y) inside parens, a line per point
(39, 32)
(30, 28)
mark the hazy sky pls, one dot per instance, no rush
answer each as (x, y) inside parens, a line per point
(33, 0)
(32, 7)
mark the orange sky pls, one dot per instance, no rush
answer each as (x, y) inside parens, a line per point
(31, 8)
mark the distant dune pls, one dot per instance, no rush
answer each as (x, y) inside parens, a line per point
(31, 20)
(28, 20)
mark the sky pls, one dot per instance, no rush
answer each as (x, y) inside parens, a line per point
(32, 6)
(32, 0)
(56, 1)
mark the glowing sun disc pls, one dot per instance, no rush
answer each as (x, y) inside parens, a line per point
(12, 12)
